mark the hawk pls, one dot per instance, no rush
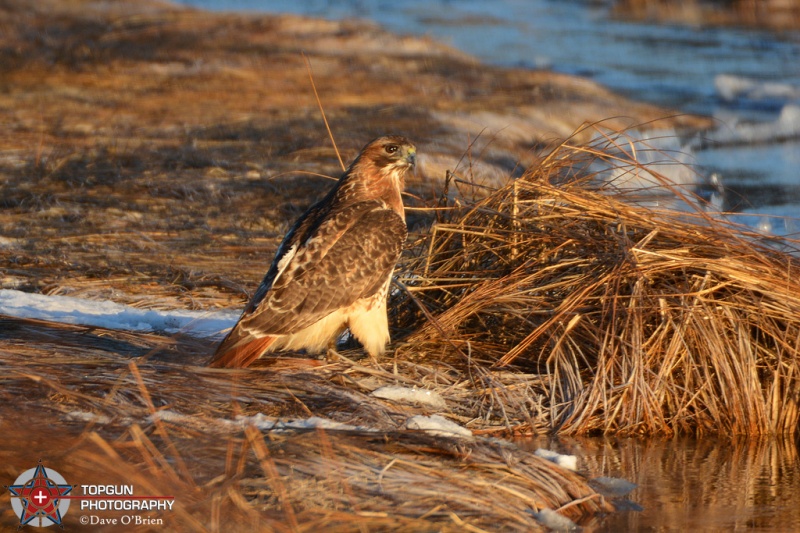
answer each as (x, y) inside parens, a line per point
(334, 267)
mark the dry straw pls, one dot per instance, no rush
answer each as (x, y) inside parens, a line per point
(637, 319)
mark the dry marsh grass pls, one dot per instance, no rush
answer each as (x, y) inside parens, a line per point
(639, 320)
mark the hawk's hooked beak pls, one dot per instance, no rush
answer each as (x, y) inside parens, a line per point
(411, 158)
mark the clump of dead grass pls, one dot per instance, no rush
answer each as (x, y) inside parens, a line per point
(639, 320)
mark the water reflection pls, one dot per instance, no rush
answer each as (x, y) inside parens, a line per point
(689, 484)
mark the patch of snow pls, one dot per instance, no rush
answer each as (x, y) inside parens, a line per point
(785, 127)
(111, 315)
(781, 96)
(266, 423)
(219, 424)
(570, 462)
(731, 88)
(261, 421)
(87, 416)
(168, 415)
(410, 395)
(438, 425)
(554, 521)
(662, 161)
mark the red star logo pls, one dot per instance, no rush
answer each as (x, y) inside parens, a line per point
(40, 497)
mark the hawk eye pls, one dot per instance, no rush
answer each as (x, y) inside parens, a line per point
(392, 148)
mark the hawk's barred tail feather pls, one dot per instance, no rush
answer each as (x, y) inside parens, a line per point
(242, 355)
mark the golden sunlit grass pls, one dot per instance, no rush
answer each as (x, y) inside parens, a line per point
(642, 320)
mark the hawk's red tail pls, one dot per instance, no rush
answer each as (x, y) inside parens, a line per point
(241, 355)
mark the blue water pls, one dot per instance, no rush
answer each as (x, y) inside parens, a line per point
(671, 65)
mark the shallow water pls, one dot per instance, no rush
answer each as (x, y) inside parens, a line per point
(698, 70)
(688, 484)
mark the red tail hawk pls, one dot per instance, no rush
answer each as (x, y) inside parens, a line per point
(334, 267)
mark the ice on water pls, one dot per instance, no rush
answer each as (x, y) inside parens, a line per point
(570, 462)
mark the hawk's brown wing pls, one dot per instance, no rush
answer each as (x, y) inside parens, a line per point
(348, 257)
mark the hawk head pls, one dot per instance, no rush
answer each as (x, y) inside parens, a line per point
(379, 172)
(386, 157)
(391, 153)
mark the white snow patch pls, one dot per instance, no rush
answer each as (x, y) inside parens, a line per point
(111, 315)
(731, 88)
(410, 395)
(261, 422)
(662, 161)
(785, 127)
(570, 462)
(266, 423)
(87, 416)
(168, 415)
(438, 425)
(554, 521)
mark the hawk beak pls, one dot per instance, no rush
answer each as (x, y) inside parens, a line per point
(411, 158)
